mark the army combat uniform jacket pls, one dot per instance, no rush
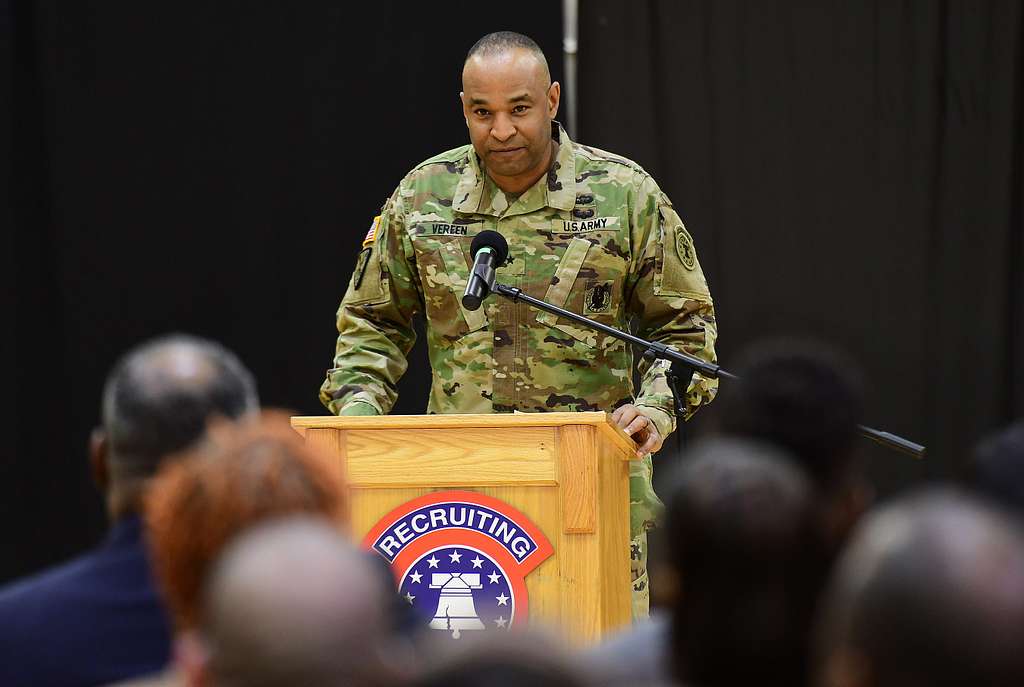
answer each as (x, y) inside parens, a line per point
(595, 235)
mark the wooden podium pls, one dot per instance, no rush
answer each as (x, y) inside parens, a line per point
(566, 473)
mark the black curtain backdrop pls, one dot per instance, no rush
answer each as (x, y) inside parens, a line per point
(850, 171)
(201, 167)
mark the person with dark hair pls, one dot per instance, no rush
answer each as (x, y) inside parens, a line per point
(996, 470)
(98, 618)
(290, 602)
(749, 554)
(586, 229)
(809, 400)
(746, 557)
(930, 592)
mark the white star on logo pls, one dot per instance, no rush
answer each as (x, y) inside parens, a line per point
(415, 577)
(409, 597)
(477, 562)
(502, 600)
(432, 562)
(494, 577)
(455, 556)
(500, 621)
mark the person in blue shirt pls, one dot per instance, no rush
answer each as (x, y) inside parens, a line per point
(98, 618)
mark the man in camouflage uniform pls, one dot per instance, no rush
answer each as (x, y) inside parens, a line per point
(587, 230)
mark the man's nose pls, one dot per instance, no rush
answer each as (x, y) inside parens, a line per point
(503, 128)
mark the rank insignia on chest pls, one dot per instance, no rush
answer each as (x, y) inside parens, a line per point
(460, 559)
(371, 235)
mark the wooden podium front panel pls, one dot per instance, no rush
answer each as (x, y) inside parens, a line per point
(449, 457)
(570, 480)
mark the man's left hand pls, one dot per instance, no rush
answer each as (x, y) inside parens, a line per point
(640, 427)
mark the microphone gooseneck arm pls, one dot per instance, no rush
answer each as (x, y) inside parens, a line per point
(678, 359)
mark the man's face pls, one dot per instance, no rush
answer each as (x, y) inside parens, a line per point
(509, 104)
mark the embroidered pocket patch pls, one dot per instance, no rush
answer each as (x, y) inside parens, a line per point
(599, 297)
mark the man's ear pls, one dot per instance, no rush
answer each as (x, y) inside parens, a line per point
(554, 98)
(99, 458)
(192, 659)
(462, 101)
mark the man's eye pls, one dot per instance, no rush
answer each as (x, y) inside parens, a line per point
(520, 109)
(480, 112)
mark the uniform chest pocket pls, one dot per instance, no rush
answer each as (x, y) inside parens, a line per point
(581, 288)
(444, 273)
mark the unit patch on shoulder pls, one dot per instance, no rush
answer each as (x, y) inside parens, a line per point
(684, 246)
(371, 235)
(460, 559)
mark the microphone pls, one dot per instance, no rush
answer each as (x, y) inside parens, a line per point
(489, 250)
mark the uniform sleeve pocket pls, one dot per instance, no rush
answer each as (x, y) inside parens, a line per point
(678, 271)
(369, 284)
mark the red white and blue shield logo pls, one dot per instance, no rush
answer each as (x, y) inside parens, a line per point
(460, 559)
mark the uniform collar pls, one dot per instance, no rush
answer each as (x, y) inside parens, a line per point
(556, 189)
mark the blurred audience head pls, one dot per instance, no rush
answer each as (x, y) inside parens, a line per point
(809, 400)
(929, 592)
(997, 468)
(157, 401)
(511, 659)
(243, 475)
(740, 527)
(289, 602)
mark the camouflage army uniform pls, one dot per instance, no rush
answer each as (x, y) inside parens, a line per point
(595, 235)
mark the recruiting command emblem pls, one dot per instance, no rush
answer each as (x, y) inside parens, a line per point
(460, 559)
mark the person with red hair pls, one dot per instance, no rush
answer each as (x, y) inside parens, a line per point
(243, 476)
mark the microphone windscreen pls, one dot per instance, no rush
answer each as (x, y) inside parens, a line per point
(492, 240)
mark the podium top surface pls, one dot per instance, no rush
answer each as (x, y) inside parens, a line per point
(601, 420)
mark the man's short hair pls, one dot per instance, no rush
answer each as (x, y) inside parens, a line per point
(159, 397)
(930, 591)
(741, 527)
(290, 602)
(801, 396)
(504, 41)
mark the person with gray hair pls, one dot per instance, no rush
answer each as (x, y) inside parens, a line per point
(930, 592)
(290, 602)
(99, 619)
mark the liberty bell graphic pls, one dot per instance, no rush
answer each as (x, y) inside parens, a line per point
(455, 608)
